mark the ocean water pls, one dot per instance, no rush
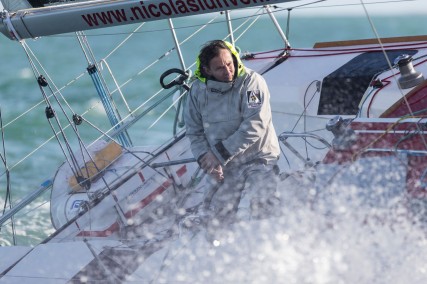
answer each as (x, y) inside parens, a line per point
(60, 58)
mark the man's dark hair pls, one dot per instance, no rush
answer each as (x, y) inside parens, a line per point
(210, 50)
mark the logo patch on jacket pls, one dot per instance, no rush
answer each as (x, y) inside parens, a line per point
(254, 98)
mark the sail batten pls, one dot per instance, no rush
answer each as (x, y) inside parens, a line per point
(52, 20)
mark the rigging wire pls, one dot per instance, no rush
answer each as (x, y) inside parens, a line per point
(43, 83)
(8, 198)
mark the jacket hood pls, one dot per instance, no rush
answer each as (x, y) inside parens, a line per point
(240, 68)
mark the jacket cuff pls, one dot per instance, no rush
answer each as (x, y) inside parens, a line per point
(225, 155)
(200, 157)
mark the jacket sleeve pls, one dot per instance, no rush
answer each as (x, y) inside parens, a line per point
(194, 125)
(256, 117)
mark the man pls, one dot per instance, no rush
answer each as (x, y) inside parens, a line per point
(228, 121)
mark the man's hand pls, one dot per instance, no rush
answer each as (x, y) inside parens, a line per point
(211, 165)
(217, 173)
(209, 162)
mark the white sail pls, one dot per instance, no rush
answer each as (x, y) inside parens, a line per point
(66, 18)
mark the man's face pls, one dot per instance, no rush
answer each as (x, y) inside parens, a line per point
(221, 67)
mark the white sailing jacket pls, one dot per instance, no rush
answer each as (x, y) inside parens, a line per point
(233, 120)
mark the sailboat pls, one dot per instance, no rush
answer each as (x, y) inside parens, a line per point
(350, 118)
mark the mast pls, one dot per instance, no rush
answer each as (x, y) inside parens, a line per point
(52, 20)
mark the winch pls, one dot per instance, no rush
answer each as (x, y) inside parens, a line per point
(409, 77)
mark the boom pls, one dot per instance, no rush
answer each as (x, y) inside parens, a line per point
(36, 22)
